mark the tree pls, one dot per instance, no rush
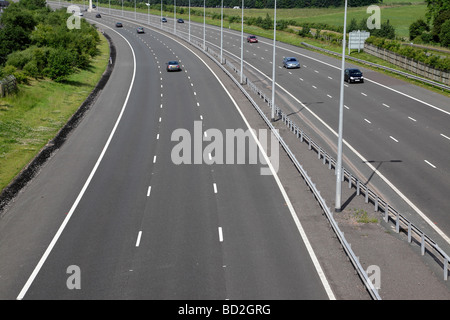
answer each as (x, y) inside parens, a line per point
(353, 26)
(417, 28)
(440, 19)
(444, 36)
(435, 7)
(386, 31)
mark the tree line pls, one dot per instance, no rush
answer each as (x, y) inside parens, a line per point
(36, 42)
(436, 26)
(259, 4)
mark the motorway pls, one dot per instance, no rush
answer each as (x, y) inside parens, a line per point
(112, 204)
(397, 136)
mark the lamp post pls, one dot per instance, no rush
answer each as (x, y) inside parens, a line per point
(204, 25)
(148, 12)
(273, 62)
(189, 20)
(338, 206)
(242, 41)
(221, 33)
(175, 16)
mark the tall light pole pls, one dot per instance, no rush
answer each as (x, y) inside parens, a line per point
(273, 59)
(134, 9)
(221, 33)
(204, 25)
(242, 41)
(175, 16)
(161, 15)
(338, 205)
(148, 12)
(189, 20)
(122, 8)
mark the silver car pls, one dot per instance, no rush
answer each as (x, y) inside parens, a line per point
(291, 63)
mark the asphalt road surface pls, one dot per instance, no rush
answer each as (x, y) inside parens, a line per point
(112, 213)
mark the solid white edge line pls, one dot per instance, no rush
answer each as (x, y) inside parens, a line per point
(83, 190)
(220, 234)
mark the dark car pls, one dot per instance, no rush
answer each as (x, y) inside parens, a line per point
(119, 24)
(291, 63)
(353, 75)
(173, 66)
(180, 21)
(98, 15)
(140, 30)
(163, 19)
(252, 39)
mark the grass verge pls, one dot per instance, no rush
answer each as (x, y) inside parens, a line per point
(33, 116)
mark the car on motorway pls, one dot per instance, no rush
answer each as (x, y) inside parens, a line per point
(163, 20)
(80, 14)
(140, 30)
(119, 25)
(180, 21)
(291, 63)
(173, 66)
(98, 15)
(252, 39)
(353, 75)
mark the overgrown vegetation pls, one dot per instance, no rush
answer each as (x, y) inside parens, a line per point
(36, 43)
(436, 28)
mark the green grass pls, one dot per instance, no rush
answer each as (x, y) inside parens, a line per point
(33, 116)
(362, 216)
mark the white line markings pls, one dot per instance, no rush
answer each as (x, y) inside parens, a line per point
(154, 159)
(429, 163)
(215, 187)
(220, 234)
(445, 136)
(85, 186)
(412, 119)
(149, 190)
(384, 104)
(393, 138)
(367, 121)
(364, 94)
(138, 240)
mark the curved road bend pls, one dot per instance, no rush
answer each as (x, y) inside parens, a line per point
(144, 227)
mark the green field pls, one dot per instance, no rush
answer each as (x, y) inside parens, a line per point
(400, 16)
(33, 116)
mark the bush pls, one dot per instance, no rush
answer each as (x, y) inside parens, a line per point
(417, 28)
(60, 64)
(444, 36)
